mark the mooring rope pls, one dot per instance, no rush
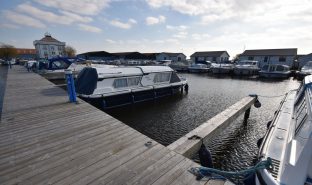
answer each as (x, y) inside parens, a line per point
(201, 172)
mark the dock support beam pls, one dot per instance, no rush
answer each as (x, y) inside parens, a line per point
(189, 144)
(247, 113)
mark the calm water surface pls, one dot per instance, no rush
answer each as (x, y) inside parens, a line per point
(234, 148)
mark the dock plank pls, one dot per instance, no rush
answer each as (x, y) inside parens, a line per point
(44, 139)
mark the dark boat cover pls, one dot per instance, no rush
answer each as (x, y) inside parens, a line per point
(86, 81)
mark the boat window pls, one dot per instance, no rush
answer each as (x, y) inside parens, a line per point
(134, 81)
(174, 78)
(279, 68)
(59, 65)
(265, 67)
(161, 77)
(301, 112)
(121, 82)
(272, 68)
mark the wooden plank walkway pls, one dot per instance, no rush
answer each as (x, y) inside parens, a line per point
(46, 140)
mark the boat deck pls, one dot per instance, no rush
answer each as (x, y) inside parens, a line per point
(44, 139)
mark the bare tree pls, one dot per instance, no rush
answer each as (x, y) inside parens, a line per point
(7, 51)
(70, 51)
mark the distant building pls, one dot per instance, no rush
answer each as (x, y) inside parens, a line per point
(97, 55)
(303, 59)
(151, 56)
(49, 47)
(26, 54)
(212, 56)
(174, 57)
(271, 56)
(130, 56)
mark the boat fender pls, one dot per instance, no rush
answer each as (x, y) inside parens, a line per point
(186, 87)
(259, 142)
(205, 156)
(257, 103)
(269, 124)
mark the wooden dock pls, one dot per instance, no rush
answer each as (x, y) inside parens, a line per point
(44, 139)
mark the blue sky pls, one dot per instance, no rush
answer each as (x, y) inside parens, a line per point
(160, 25)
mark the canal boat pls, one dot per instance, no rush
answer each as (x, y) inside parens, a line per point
(179, 66)
(113, 87)
(246, 67)
(221, 68)
(305, 70)
(198, 68)
(288, 140)
(53, 69)
(275, 71)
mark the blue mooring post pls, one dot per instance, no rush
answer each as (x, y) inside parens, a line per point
(70, 85)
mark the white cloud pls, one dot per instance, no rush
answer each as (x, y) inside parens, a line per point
(8, 25)
(155, 20)
(123, 25)
(89, 28)
(197, 36)
(67, 18)
(23, 19)
(181, 35)
(132, 21)
(177, 28)
(83, 7)
(111, 41)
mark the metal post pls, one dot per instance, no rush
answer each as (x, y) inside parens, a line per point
(70, 85)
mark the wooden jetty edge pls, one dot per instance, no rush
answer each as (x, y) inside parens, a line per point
(189, 144)
(44, 139)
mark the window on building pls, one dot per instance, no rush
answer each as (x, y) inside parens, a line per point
(282, 59)
(165, 58)
(161, 77)
(266, 58)
(214, 59)
(250, 58)
(44, 47)
(179, 58)
(52, 48)
(53, 53)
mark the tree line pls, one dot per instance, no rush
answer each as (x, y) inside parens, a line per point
(8, 51)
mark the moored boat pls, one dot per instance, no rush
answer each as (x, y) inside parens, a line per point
(288, 140)
(275, 71)
(246, 67)
(112, 87)
(305, 70)
(198, 68)
(221, 68)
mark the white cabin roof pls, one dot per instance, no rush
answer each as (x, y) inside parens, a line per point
(154, 69)
(129, 71)
(118, 71)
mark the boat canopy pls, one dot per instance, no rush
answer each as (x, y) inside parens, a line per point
(62, 62)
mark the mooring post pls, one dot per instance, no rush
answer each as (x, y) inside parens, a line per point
(70, 85)
(247, 113)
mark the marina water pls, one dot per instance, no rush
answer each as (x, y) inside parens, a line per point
(235, 148)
